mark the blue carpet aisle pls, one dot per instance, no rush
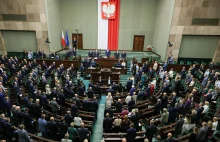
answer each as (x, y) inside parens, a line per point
(98, 127)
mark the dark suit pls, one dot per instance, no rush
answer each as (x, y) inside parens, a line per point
(107, 125)
(37, 110)
(107, 53)
(202, 133)
(52, 128)
(68, 119)
(63, 128)
(118, 107)
(109, 111)
(74, 110)
(86, 105)
(179, 126)
(23, 136)
(170, 140)
(123, 55)
(131, 135)
(83, 134)
(150, 132)
(131, 104)
(90, 54)
(96, 54)
(117, 55)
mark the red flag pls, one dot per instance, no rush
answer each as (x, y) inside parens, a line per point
(63, 40)
(108, 10)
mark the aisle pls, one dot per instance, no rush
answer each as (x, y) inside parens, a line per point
(98, 127)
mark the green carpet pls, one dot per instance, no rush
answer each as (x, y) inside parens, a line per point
(98, 126)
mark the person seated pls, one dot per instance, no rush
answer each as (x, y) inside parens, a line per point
(90, 54)
(117, 54)
(123, 55)
(96, 54)
(107, 53)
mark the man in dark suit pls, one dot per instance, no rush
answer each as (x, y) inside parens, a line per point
(110, 90)
(90, 54)
(118, 106)
(86, 104)
(54, 105)
(23, 135)
(107, 124)
(179, 125)
(123, 55)
(52, 128)
(202, 132)
(151, 131)
(131, 133)
(131, 104)
(107, 53)
(96, 54)
(68, 118)
(17, 116)
(74, 109)
(169, 138)
(109, 110)
(129, 84)
(117, 54)
(83, 133)
(62, 127)
(8, 129)
(157, 107)
(95, 105)
(74, 42)
(199, 113)
(27, 119)
(90, 92)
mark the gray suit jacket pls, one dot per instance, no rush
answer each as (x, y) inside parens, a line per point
(23, 136)
(54, 105)
(179, 125)
(202, 133)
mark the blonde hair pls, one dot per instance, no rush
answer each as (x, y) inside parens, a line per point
(72, 124)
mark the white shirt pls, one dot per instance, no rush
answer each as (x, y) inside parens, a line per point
(123, 64)
(217, 83)
(127, 99)
(207, 73)
(206, 108)
(171, 73)
(214, 125)
(108, 101)
(161, 74)
(192, 83)
(154, 82)
(77, 121)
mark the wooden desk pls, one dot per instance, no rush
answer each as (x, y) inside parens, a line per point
(66, 63)
(107, 62)
(113, 69)
(105, 74)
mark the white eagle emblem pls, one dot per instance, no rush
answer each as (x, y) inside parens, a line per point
(108, 10)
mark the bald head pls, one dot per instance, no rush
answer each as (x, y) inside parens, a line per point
(169, 135)
(124, 140)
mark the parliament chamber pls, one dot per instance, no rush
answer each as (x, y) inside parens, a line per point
(109, 71)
